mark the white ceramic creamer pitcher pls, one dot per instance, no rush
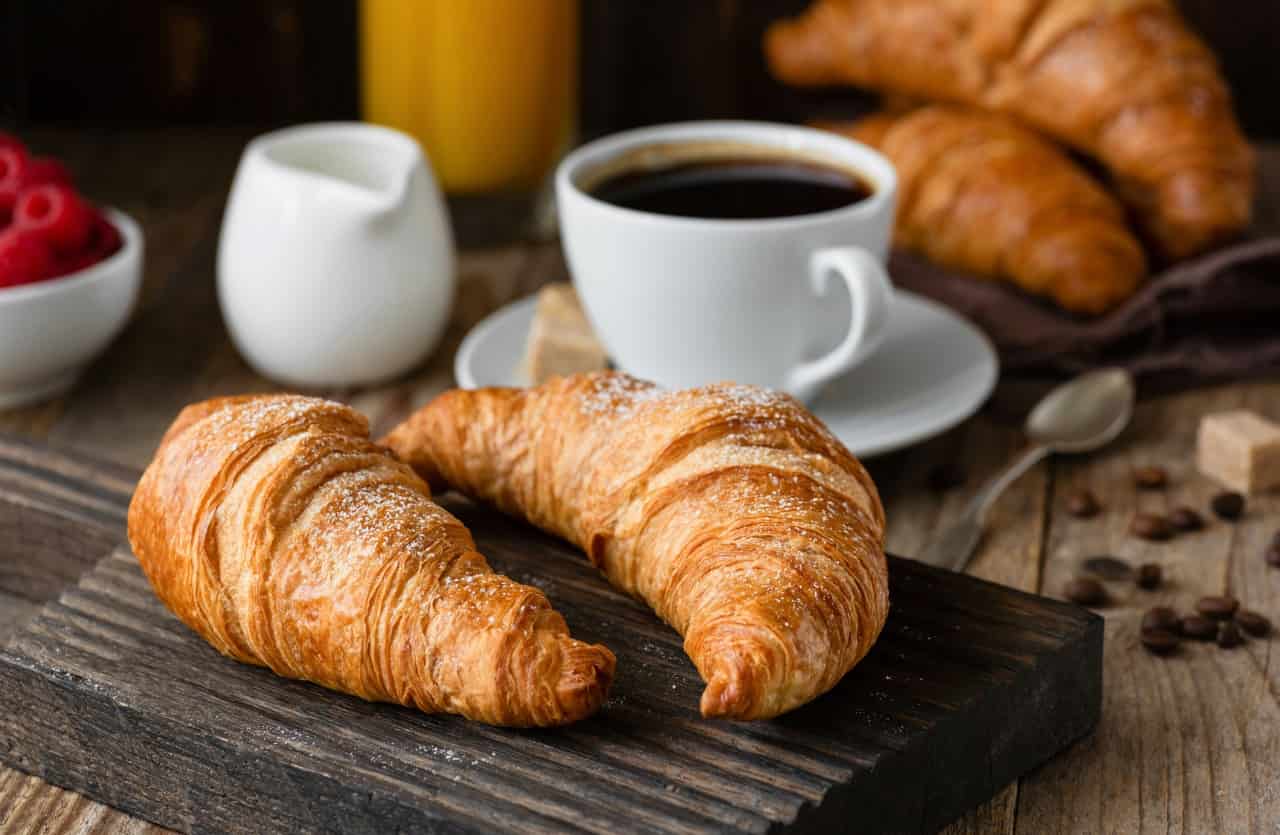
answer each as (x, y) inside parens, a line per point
(335, 265)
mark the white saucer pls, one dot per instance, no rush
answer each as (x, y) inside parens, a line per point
(933, 370)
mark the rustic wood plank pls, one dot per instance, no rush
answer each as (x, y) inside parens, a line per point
(136, 665)
(36, 505)
(29, 805)
(125, 402)
(1011, 551)
(961, 667)
(977, 450)
(49, 466)
(42, 552)
(997, 815)
(32, 421)
(1248, 575)
(534, 578)
(57, 515)
(14, 612)
(1189, 743)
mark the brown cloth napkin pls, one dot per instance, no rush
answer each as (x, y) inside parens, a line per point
(1216, 317)
(1213, 318)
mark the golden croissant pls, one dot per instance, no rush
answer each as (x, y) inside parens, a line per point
(730, 510)
(274, 527)
(1125, 81)
(980, 193)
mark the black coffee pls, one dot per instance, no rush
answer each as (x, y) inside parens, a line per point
(735, 189)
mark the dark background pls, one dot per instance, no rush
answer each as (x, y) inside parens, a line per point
(265, 62)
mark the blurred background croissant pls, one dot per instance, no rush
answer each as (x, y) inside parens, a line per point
(1125, 83)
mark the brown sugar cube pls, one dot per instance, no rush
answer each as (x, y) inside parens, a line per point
(1240, 449)
(561, 340)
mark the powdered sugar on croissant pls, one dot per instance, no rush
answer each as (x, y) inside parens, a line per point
(274, 527)
(730, 510)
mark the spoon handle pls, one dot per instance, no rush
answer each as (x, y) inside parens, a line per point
(955, 546)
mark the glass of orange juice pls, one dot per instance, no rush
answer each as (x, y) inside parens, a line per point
(489, 87)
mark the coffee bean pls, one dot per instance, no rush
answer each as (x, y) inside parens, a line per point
(1150, 526)
(1255, 623)
(1150, 478)
(1272, 555)
(1186, 519)
(1086, 591)
(1198, 627)
(1149, 575)
(946, 477)
(1217, 607)
(1082, 504)
(1229, 635)
(1108, 567)
(1229, 505)
(1160, 617)
(1159, 641)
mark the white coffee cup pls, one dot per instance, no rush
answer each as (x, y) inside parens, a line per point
(335, 265)
(686, 301)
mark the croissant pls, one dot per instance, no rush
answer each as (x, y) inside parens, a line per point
(730, 510)
(274, 528)
(980, 193)
(1122, 80)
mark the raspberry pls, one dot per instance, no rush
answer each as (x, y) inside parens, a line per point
(57, 213)
(104, 241)
(19, 171)
(13, 171)
(74, 263)
(24, 258)
(41, 170)
(8, 140)
(106, 237)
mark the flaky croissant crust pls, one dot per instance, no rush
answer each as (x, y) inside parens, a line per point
(1125, 81)
(275, 529)
(730, 510)
(981, 193)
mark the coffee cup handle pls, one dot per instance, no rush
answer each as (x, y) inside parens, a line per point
(870, 293)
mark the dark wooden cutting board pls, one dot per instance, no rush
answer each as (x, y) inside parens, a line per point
(104, 692)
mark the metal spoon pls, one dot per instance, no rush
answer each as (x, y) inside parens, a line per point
(1079, 416)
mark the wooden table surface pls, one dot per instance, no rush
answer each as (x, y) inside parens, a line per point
(1186, 744)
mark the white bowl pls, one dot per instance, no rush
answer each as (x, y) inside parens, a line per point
(50, 331)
